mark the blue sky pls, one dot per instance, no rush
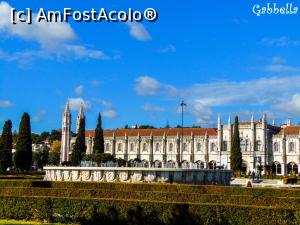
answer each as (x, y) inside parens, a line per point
(217, 56)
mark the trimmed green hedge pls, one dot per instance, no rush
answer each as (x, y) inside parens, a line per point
(179, 188)
(293, 203)
(107, 211)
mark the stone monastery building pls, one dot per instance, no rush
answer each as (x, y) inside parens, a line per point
(261, 144)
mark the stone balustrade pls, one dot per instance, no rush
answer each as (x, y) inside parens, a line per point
(134, 174)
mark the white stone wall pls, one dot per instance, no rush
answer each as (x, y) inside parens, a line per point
(206, 149)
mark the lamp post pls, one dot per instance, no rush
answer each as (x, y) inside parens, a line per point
(182, 104)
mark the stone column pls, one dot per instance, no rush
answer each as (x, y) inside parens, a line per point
(206, 150)
(164, 148)
(192, 148)
(151, 148)
(114, 145)
(139, 146)
(284, 165)
(126, 147)
(219, 138)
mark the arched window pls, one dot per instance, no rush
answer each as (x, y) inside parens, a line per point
(276, 147)
(200, 164)
(224, 147)
(131, 147)
(212, 165)
(107, 147)
(120, 147)
(258, 146)
(198, 147)
(157, 147)
(171, 147)
(276, 168)
(212, 147)
(144, 147)
(292, 167)
(247, 142)
(291, 147)
(185, 147)
(243, 145)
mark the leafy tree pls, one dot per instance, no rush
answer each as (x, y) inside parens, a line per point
(54, 158)
(55, 135)
(40, 157)
(102, 157)
(146, 126)
(23, 155)
(6, 145)
(99, 139)
(79, 147)
(43, 136)
(56, 145)
(35, 138)
(236, 154)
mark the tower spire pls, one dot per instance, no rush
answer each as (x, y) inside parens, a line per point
(66, 135)
(80, 116)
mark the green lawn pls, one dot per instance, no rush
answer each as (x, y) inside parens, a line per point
(21, 222)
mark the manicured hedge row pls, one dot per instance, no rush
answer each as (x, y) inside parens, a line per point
(106, 211)
(200, 189)
(156, 196)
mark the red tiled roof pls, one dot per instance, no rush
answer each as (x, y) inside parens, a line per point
(292, 130)
(155, 132)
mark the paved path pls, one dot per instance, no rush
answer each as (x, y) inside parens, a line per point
(262, 183)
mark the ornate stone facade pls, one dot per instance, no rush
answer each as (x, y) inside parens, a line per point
(261, 144)
(131, 174)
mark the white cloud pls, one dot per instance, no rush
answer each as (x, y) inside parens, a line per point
(53, 38)
(95, 83)
(279, 68)
(104, 103)
(270, 92)
(43, 112)
(112, 114)
(169, 49)
(146, 85)
(79, 90)
(42, 32)
(152, 108)
(290, 106)
(280, 42)
(138, 31)
(278, 64)
(5, 104)
(110, 111)
(36, 119)
(75, 103)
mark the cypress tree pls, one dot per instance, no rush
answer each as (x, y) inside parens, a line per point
(6, 145)
(236, 154)
(98, 139)
(23, 154)
(79, 147)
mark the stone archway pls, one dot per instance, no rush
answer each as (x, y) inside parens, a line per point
(276, 168)
(200, 164)
(292, 166)
(212, 165)
(245, 166)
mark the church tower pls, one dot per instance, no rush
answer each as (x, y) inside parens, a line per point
(80, 116)
(66, 135)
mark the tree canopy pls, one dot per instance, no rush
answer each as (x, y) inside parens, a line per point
(236, 154)
(23, 154)
(99, 138)
(79, 147)
(6, 145)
